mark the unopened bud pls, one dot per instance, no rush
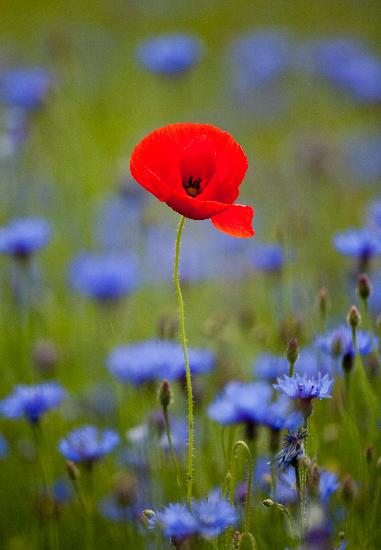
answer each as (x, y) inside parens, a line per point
(323, 301)
(364, 286)
(72, 470)
(45, 356)
(148, 517)
(293, 350)
(165, 394)
(167, 327)
(349, 488)
(236, 540)
(354, 317)
(347, 361)
(268, 502)
(369, 453)
(124, 489)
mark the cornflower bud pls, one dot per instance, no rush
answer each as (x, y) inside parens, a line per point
(364, 287)
(292, 353)
(323, 301)
(354, 317)
(165, 394)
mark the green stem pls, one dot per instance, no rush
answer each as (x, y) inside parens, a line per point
(186, 360)
(244, 446)
(300, 499)
(170, 444)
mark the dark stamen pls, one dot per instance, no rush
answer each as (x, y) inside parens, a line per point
(192, 187)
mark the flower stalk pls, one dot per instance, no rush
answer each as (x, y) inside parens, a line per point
(186, 360)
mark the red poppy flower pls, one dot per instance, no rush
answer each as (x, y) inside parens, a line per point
(196, 169)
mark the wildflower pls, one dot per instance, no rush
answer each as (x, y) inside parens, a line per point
(103, 277)
(170, 54)
(178, 434)
(338, 342)
(22, 237)
(25, 87)
(359, 243)
(177, 521)
(32, 402)
(196, 169)
(88, 444)
(156, 359)
(364, 287)
(328, 485)
(301, 387)
(268, 366)
(304, 389)
(268, 258)
(214, 514)
(293, 449)
(241, 402)
(279, 416)
(259, 59)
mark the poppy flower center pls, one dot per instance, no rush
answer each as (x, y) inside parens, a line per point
(197, 165)
(192, 186)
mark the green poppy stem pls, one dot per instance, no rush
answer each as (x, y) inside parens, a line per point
(186, 360)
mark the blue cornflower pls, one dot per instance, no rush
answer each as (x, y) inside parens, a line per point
(177, 521)
(279, 415)
(88, 444)
(268, 366)
(32, 402)
(301, 387)
(241, 402)
(293, 449)
(170, 54)
(259, 59)
(214, 514)
(103, 277)
(328, 485)
(25, 87)
(268, 258)
(3, 447)
(22, 237)
(338, 342)
(348, 65)
(359, 243)
(156, 359)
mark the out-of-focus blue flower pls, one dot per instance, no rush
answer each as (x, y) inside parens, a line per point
(262, 473)
(259, 59)
(116, 511)
(3, 447)
(13, 132)
(293, 449)
(286, 487)
(214, 514)
(88, 444)
(155, 360)
(32, 402)
(268, 258)
(302, 387)
(268, 366)
(170, 54)
(279, 415)
(241, 402)
(61, 492)
(119, 222)
(104, 277)
(177, 521)
(328, 485)
(362, 157)
(348, 65)
(359, 243)
(311, 363)
(22, 237)
(25, 87)
(338, 342)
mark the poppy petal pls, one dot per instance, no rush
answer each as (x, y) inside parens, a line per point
(194, 208)
(236, 221)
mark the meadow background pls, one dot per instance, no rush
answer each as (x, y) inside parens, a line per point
(314, 168)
